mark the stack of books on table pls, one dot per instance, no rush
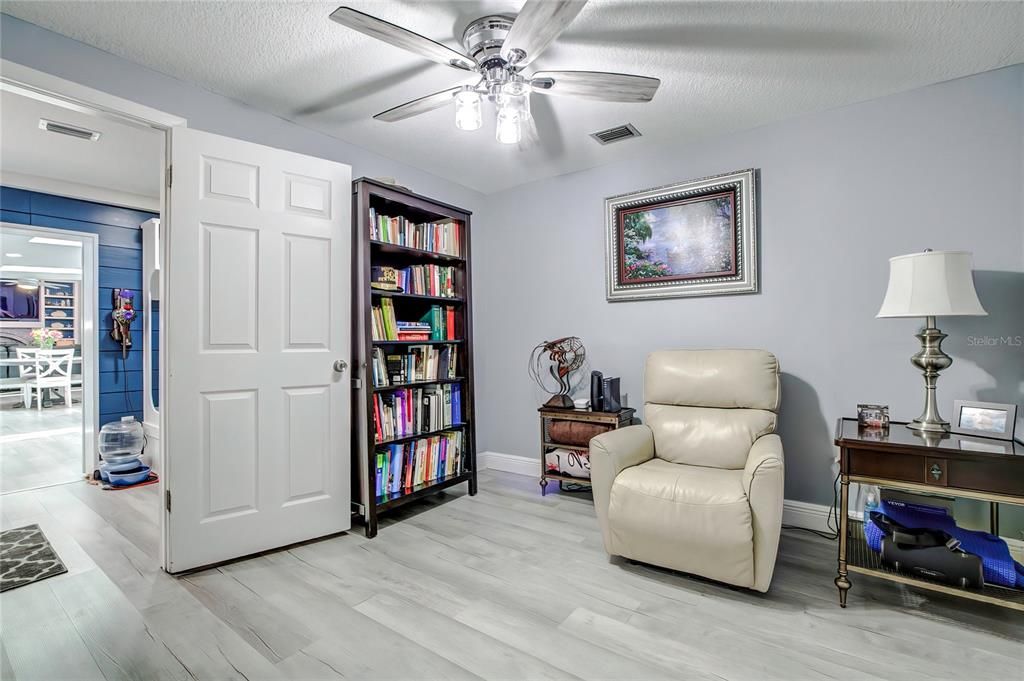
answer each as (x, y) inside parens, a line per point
(402, 467)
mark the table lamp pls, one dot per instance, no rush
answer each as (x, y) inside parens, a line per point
(931, 284)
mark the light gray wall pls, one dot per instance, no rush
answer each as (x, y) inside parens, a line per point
(43, 50)
(841, 192)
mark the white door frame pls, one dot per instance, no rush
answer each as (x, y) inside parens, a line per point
(90, 341)
(42, 86)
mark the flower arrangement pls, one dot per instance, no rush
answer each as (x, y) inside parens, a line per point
(46, 338)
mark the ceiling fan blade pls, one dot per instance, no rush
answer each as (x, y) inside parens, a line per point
(401, 37)
(418, 106)
(606, 87)
(538, 23)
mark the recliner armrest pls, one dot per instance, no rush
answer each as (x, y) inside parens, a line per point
(610, 454)
(764, 457)
(764, 483)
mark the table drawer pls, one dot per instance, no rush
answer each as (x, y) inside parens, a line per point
(1000, 477)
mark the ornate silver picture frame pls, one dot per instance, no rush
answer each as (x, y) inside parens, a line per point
(696, 238)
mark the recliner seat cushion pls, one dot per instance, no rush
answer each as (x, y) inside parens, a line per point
(702, 436)
(689, 518)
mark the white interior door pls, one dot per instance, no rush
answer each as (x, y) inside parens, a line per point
(255, 313)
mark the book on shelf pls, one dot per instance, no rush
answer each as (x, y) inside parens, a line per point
(411, 411)
(385, 327)
(438, 324)
(416, 363)
(427, 280)
(401, 467)
(438, 237)
(442, 322)
(413, 331)
(384, 279)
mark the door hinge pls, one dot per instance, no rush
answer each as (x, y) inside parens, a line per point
(170, 175)
(357, 384)
(167, 500)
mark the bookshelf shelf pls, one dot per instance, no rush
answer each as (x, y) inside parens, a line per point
(419, 342)
(419, 436)
(417, 296)
(387, 501)
(388, 210)
(417, 384)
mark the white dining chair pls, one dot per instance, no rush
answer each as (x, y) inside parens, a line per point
(52, 369)
(26, 372)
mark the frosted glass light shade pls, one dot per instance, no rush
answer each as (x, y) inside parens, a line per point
(468, 115)
(508, 129)
(931, 284)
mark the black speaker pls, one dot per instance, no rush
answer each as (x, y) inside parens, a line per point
(596, 391)
(610, 399)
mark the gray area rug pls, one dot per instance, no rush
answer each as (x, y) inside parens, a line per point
(25, 557)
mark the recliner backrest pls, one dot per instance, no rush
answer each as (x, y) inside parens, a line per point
(706, 407)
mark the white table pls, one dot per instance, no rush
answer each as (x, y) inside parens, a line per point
(26, 361)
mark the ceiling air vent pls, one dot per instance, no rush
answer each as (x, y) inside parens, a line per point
(616, 134)
(69, 130)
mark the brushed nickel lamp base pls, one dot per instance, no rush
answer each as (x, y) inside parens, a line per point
(930, 360)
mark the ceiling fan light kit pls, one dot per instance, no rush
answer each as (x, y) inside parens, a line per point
(468, 114)
(498, 48)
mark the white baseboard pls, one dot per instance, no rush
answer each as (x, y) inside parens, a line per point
(806, 515)
(508, 463)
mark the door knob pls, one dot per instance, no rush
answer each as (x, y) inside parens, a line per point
(340, 365)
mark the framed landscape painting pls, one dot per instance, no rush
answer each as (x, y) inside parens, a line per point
(695, 238)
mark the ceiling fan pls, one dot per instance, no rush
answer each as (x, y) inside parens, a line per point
(498, 48)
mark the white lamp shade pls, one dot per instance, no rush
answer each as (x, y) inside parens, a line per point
(931, 284)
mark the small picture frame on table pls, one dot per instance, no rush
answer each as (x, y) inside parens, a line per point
(873, 415)
(984, 419)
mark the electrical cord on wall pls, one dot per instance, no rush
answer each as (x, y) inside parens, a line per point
(833, 517)
(124, 383)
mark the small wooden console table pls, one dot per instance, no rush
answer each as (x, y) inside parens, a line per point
(613, 419)
(936, 463)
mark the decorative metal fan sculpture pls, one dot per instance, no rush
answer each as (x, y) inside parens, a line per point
(558, 359)
(499, 47)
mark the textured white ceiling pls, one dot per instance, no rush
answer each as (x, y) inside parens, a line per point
(724, 66)
(124, 159)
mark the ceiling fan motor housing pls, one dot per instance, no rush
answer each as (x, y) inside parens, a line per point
(484, 37)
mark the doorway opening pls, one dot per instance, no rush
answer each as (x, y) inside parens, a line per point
(47, 366)
(78, 185)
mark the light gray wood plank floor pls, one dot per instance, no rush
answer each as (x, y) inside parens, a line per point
(503, 585)
(39, 447)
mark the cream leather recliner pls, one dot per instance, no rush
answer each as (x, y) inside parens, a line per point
(699, 486)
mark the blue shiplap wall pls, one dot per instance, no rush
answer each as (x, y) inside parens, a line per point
(120, 266)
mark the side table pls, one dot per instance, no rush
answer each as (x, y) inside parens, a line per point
(613, 420)
(938, 463)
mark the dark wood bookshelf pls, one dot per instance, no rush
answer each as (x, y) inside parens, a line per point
(366, 253)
